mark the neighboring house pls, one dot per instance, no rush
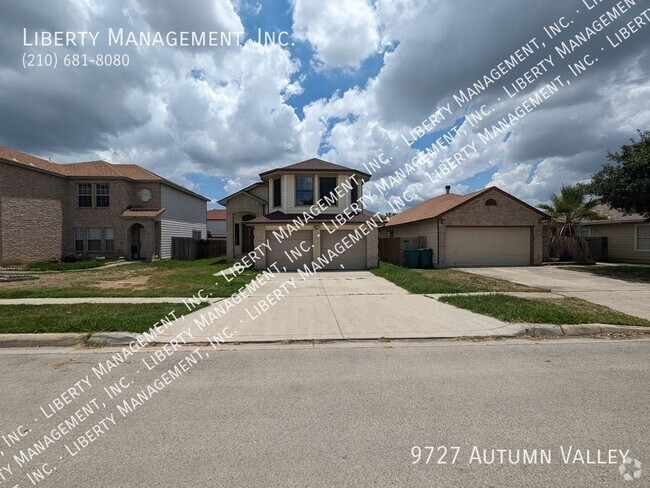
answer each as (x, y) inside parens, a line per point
(486, 228)
(216, 223)
(94, 208)
(628, 236)
(271, 205)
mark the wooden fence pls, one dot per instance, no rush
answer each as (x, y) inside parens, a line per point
(391, 249)
(189, 248)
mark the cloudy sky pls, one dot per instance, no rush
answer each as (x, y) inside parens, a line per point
(354, 77)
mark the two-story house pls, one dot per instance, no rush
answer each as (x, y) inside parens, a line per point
(277, 205)
(95, 208)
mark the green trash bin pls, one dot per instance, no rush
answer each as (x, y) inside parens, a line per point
(426, 258)
(412, 258)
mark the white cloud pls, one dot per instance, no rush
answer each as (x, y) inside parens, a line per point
(342, 32)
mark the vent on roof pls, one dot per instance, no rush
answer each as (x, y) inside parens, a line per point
(447, 189)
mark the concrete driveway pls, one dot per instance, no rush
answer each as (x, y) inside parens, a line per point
(339, 305)
(627, 297)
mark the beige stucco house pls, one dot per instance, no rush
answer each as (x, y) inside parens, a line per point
(485, 228)
(89, 209)
(628, 236)
(271, 207)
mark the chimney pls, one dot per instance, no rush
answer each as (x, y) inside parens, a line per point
(447, 189)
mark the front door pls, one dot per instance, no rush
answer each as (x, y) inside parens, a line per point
(249, 238)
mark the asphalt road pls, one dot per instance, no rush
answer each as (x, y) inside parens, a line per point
(331, 415)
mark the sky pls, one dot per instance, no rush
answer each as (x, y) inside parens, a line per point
(354, 77)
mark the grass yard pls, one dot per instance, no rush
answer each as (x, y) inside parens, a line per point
(444, 280)
(627, 272)
(542, 311)
(165, 278)
(21, 319)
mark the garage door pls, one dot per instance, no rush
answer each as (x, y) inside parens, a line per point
(284, 253)
(352, 258)
(488, 246)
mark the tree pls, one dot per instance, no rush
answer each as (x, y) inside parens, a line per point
(624, 183)
(570, 208)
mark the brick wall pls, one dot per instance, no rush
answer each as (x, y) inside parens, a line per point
(30, 203)
(506, 213)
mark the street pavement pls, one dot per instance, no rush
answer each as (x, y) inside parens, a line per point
(624, 296)
(332, 415)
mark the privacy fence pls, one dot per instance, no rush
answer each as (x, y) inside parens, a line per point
(189, 248)
(391, 249)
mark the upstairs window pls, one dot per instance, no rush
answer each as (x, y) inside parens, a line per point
(354, 194)
(304, 190)
(84, 194)
(490, 202)
(277, 192)
(327, 187)
(101, 195)
(643, 237)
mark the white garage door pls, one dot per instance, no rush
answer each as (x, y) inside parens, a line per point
(285, 253)
(488, 246)
(352, 258)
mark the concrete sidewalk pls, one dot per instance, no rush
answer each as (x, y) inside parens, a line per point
(625, 296)
(72, 301)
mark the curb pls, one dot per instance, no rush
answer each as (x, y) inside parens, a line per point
(125, 338)
(42, 340)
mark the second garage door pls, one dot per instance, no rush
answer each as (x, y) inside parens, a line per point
(487, 246)
(281, 252)
(352, 258)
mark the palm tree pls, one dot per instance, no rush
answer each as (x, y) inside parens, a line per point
(570, 208)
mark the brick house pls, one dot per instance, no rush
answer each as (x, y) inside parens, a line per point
(95, 208)
(261, 211)
(488, 227)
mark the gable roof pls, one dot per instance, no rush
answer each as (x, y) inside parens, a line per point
(216, 214)
(314, 164)
(89, 169)
(244, 191)
(440, 205)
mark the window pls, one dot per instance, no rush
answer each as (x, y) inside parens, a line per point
(101, 195)
(490, 202)
(196, 234)
(327, 187)
(277, 192)
(94, 239)
(79, 239)
(109, 243)
(391, 233)
(304, 190)
(236, 234)
(642, 237)
(84, 194)
(355, 192)
(584, 232)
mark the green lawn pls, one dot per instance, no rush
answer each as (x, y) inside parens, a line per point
(542, 311)
(165, 278)
(444, 280)
(627, 272)
(20, 319)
